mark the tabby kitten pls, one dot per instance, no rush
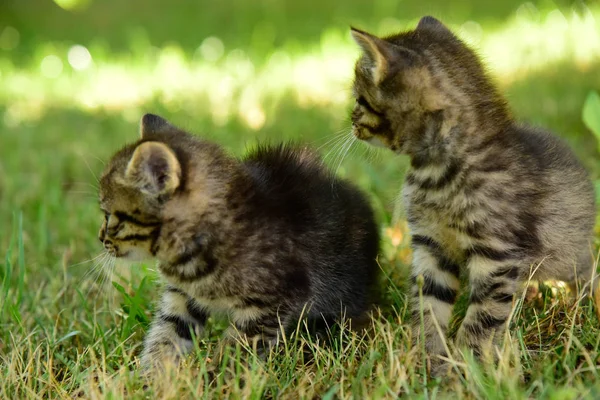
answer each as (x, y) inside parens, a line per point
(496, 200)
(258, 239)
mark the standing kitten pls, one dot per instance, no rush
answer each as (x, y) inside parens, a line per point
(483, 193)
(258, 239)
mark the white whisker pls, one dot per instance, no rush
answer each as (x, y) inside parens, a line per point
(89, 260)
(89, 168)
(347, 145)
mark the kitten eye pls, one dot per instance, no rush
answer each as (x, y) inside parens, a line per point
(361, 101)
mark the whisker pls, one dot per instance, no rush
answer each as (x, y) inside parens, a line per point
(89, 168)
(330, 139)
(87, 261)
(349, 143)
(95, 194)
(110, 276)
(90, 184)
(99, 159)
(104, 271)
(95, 268)
(335, 147)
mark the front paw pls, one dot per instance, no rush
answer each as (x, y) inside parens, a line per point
(160, 356)
(438, 368)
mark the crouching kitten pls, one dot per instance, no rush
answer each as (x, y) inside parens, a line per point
(262, 239)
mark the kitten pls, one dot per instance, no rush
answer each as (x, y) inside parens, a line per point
(258, 239)
(496, 200)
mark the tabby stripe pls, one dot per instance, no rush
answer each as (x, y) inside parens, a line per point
(137, 237)
(115, 230)
(266, 324)
(202, 269)
(363, 102)
(131, 219)
(483, 292)
(173, 289)
(488, 321)
(436, 184)
(256, 302)
(382, 127)
(434, 289)
(473, 229)
(473, 329)
(503, 297)
(490, 253)
(196, 311)
(511, 272)
(444, 263)
(485, 144)
(188, 256)
(426, 241)
(154, 245)
(182, 327)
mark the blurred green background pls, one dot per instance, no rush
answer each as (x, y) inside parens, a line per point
(77, 75)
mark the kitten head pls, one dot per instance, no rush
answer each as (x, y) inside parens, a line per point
(134, 188)
(411, 87)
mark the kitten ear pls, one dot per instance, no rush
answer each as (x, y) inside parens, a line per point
(154, 169)
(430, 23)
(151, 123)
(385, 57)
(378, 51)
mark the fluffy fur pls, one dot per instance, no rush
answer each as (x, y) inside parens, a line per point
(262, 239)
(485, 196)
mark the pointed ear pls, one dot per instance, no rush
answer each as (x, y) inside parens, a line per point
(151, 123)
(383, 56)
(154, 169)
(377, 51)
(432, 24)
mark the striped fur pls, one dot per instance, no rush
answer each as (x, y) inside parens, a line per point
(484, 195)
(263, 239)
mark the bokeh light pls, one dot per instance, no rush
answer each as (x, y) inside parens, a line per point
(71, 4)
(79, 57)
(51, 66)
(212, 49)
(233, 83)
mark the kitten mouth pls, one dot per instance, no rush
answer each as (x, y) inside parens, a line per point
(114, 252)
(121, 255)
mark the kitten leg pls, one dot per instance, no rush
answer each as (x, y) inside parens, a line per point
(584, 282)
(170, 335)
(439, 290)
(494, 280)
(262, 332)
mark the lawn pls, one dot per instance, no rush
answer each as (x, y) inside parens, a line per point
(77, 75)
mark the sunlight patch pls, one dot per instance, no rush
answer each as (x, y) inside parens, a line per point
(79, 57)
(51, 66)
(232, 85)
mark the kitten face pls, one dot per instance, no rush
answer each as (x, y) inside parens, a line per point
(381, 119)
(131, 223)
(407, 84)
(135, 187)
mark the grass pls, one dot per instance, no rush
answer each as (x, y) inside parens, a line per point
(66, 329)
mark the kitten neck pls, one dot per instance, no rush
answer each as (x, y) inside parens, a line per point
(438, 141)
(449, 135)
